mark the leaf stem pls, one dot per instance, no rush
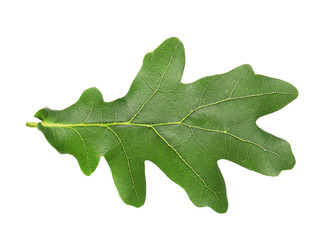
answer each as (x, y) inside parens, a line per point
(31, 124)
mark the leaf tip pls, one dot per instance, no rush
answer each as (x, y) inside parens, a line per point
(218, 209)
(137, 203)
(91, 94)
(42, 114)
(295, 91)
(172, 41)
(87, 169)
(87, 173)
(175, 39)
(221, 208)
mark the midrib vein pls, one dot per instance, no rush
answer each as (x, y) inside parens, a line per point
(181, 122)
(108, 125)
(130, 123)
(70, 125)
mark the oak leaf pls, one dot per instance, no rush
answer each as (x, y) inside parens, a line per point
(182, 128)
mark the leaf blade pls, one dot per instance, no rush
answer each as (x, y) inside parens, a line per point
(183, 128)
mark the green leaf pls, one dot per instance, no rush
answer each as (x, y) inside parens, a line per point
(182, 128)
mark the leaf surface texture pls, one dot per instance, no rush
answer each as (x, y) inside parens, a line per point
(182, 128)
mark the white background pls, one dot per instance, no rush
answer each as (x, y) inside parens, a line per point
(51, 51)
